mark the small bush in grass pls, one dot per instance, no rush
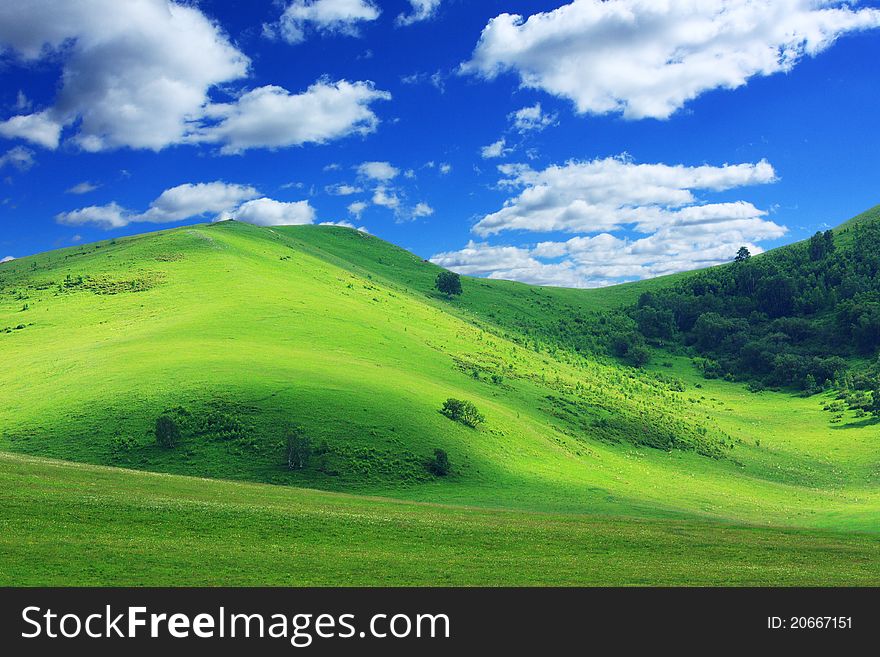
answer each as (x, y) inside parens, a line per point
(299, 449)
(167, 431)
(462, 411)
(122, 443)
(439, 464)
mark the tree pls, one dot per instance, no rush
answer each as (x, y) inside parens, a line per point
(439, 465)
(449, 283)
(743, 254)
(874, 407)
(167, 431)
(810, 386)
(299, 449)
(462, 411)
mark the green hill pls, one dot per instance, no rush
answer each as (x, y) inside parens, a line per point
(240, 333)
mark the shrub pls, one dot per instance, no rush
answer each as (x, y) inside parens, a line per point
(462, 411)
(122, 443)
(439, 464)
(449, 283)
(167, 431)
(299, 449)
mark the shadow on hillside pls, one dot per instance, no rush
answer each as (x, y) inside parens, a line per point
(867, 422)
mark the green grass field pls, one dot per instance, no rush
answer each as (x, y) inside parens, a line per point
(585, 472)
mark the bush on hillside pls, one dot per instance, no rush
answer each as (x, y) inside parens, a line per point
(462, 411)
(298, 449)
(439, 464)
(167, 432)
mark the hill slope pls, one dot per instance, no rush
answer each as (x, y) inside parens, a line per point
(240, 332)
(142, 529)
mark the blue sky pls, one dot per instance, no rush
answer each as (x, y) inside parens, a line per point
(589, 144)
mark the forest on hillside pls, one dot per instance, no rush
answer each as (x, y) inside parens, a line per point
(796, 317)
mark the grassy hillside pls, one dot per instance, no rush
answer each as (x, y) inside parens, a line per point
(135, 528)
(240, 332)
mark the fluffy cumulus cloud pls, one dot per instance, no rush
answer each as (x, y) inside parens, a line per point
(495, 149)
(632, 221)
(301, 17)
(107, 216)
(644, 58)
(140, 74)
(386, 198)
(421, 10)
(216, 200)
(531, 119)
(269, 212)
(271, 117)
(186, 201)
(357, 208)
(381, 171)
(134, 73)
(422, 210)
(606, 194)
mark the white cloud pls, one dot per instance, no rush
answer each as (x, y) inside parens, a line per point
(531, 119)
(382, 171)
(422, 210)
(36, 128)
(421, 10)
(272, 117)
(269, 212)
(322, 16)
(107, 216)
(647, 59)
(195, 200)
(7, 259)
(665, 227)
(345, 224)
(605, 194)
(140, 74)
(357, 208)
(19, 157)
(445, 168)
(343, 189)
(495, 149)
(83, 188)
(223, 201)
(386, 198)
(134, 74)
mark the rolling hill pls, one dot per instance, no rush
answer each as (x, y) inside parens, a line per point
(592, 471)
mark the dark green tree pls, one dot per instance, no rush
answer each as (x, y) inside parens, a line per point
(167, 431)
(874, 407)
(439, 464)
(449, 283)
(743, 254)
(298, 448)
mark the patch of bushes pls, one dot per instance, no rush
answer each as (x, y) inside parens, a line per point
(462, 411)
